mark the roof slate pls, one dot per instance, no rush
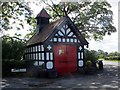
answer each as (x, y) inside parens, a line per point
(43, 13)
(45, 33)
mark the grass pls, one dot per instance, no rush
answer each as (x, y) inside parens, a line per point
(109, 60)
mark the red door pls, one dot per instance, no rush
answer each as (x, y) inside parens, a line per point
(65, 59)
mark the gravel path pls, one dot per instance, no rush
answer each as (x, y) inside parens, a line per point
(108, 78)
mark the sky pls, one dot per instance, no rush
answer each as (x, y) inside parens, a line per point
(108, 44)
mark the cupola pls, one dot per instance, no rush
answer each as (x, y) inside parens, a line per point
(42, 20)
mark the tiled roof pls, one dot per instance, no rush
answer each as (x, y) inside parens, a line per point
(43, 13)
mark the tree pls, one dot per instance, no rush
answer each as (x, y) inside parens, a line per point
(15, 12)
(102, 54)
(93, 19)
(12, 48)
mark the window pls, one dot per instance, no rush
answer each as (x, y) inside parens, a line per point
(78, 55)
(63, 39)
(78, 41)
(75, 40)
(80, 63)
(66, 26)
(49, 65)
(42, 48)
(56, 34)
(39, 56)
(42, 56)
(36, 56)
(55, 39)
(33, 49)
(62, 30)
(74, 36)
(71, 40)
(71, 33)
(51, 56)
(51, 40)
(41, 63)
(59, 39)
(39, 48)
(60, 33)
(67, 40)
(68, 30)
(47, 56)
(36, 49)
(36, 63)
(81, 55)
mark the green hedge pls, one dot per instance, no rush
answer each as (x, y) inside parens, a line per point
(112, 58)
(7, 65)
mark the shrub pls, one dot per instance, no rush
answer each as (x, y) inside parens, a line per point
(112, 58)
(7, 65)
(88, 64)
(90, 56)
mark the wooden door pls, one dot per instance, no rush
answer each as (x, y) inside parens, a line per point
(65, 59)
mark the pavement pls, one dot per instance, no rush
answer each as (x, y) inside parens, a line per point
(107, 78)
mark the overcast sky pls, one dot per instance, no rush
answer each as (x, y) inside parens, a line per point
(109, 43)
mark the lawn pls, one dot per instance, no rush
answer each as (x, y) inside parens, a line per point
(109, 60)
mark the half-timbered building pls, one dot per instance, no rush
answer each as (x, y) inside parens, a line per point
(56, 46)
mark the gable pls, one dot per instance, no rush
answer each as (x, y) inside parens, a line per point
(65, 34)
(63, 28)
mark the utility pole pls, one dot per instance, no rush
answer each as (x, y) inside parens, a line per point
(119, 26)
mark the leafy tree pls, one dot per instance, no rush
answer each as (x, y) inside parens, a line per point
(12, 48)
(93, 19)
(101, 53)
(15, 12)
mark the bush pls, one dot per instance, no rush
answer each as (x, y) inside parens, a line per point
(90, 56)
(88, 64)
(112, 58)
(7, 65)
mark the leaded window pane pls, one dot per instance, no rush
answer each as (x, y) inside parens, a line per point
(47, 56)
(62, 30)
(36, 56)
(80, 63)
(59, 39)
(42, 48)
(51, 56)
(71, 40)
(68, 30)
(55, 39)
(70, 34)
(78, 55)
(63, 39)
(60, 33)
(36, 63)
(42, 56)
(75, 40)
(81, 55)
(67, 40)
(39, 56)
(49, 65)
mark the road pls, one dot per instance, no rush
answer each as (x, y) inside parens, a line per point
(115, 63)
(108, 78)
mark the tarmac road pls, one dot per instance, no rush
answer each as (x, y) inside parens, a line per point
(108, 78)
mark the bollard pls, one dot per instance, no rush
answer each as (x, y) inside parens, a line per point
(100, 65)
